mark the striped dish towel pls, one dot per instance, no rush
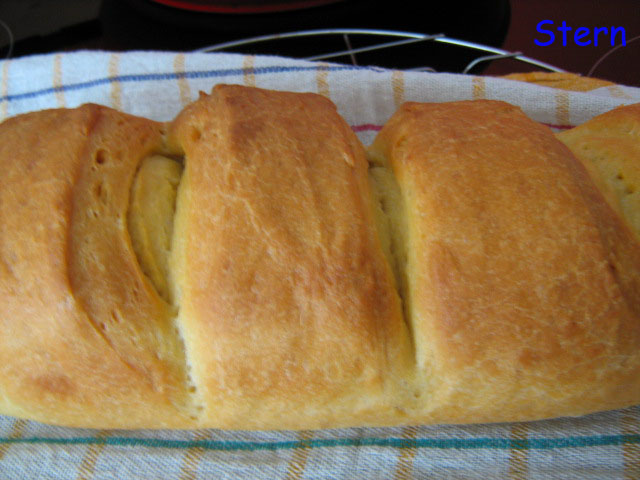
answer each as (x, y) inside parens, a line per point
(157, 86)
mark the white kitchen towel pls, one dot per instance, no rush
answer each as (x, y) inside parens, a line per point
(158, 85)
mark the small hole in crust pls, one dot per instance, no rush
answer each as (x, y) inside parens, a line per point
(115, 315)
(135, 293)
(100, 157)
(101, 192)
(402, 143)
(198, 411)
(196, 133)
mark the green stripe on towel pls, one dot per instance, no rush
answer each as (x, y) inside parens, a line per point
(435, 443)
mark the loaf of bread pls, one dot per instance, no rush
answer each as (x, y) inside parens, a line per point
(561, 80)
(250, 266)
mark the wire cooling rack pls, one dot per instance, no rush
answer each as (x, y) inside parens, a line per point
(360, 41)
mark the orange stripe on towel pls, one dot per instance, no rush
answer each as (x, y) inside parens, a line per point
(116, 87)
(57, 80)
(248, 65)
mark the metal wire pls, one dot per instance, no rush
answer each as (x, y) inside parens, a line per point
(488, 58)
(407, 38)
(609, 52)
(11, 40)
(353, 51)
(347, 42)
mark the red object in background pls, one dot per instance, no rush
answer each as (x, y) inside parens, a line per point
(243, 6)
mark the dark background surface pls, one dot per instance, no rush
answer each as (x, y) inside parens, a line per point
(40, 26)
(621, 66)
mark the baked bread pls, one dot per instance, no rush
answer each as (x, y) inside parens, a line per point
(521, 285)
(562, 80)
(609, 147)
(246, 267)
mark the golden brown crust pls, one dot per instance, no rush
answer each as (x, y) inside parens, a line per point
(287, 306)
(88, 342)
(514, 266)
